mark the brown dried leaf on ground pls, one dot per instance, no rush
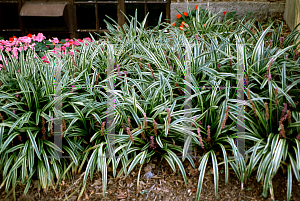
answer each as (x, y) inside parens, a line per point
(121, 195)
(97, 182)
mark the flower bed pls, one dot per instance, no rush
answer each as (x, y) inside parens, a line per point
(151, 95)
(39, 44)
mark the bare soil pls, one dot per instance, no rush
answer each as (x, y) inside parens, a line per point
(164, 185)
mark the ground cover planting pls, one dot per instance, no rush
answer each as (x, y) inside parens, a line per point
(71, 81)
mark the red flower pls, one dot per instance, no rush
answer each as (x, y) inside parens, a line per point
(183, 22)
(196, 7)
(178, 16)
(225, 12)
(185, 14)
(203, 25)
(181, 27)
(173, 24)
(12, 38)
(29, 35)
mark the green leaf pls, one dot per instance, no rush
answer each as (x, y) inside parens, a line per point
(70, 152)
(34, 145)
(289, 182)
(170, 161)
(135, 161)
(176, 159)
(201, 168)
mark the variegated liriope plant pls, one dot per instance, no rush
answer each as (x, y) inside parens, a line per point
(27, 128)
(273, 128)
(28, 107)
(153, 91)
(271, 117)
(150, 95)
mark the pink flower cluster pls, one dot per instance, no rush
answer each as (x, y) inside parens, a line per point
(39, 38)
(15, 45)
(45, 59)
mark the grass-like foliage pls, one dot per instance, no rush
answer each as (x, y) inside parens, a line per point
(173, 90)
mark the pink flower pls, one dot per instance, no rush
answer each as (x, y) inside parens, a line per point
(1, 48)
(88, 39)
(15, 52)
(39, 37)
(63, 48)
(200, 138)
(8, 49)
(71, 53)
(67, 44)
(20, 49)
(118, 70)
(25, 39)
(152, 143)
(45, 59)
(194, 120)
(76, 43)
(208, 134)
(55, 40)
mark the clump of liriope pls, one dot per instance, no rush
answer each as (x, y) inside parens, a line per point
(211, 136)
(281, 132)
(33, 130)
